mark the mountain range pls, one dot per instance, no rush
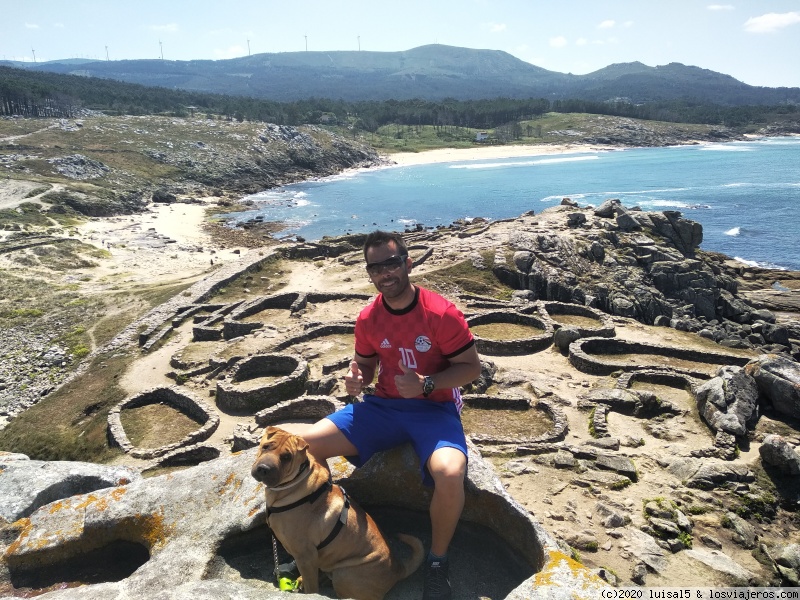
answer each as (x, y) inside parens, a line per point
(432, 72)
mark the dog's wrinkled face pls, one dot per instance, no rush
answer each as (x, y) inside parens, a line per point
(280, 457)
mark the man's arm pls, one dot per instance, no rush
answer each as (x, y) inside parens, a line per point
(464, 368)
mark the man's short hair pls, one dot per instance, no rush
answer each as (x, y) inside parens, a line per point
(379, 238)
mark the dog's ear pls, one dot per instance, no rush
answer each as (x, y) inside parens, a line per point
(303, 446)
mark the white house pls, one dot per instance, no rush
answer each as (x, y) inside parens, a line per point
(481, 136)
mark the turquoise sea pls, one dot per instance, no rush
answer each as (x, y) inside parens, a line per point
(745, 194)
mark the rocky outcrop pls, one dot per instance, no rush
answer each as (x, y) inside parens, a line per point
(776, 452)
(185, 528)
(643, 265)
(729, 401)
(778, 379)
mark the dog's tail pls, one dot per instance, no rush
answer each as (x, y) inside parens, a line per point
(405, 567)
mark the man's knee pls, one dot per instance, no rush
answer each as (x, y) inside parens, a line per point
(448, 466)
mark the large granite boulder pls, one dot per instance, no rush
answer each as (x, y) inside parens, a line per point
(786, 559)
(709, 473)
(184, 533)
(777, 452)
(778, 379)
(26, 485)
(732, 572)
(729, 401)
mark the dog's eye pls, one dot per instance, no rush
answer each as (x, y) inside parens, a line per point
(286, 456)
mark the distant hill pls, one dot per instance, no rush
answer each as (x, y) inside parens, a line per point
(432, 72)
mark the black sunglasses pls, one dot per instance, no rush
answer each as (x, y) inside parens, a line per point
(390, 264)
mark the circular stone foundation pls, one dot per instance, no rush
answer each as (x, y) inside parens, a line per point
(603, 356)
(588, 321)
(684, 386)
(517, 421)
(261, 381)
(176, 398)
(514, 339)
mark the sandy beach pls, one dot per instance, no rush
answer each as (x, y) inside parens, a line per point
(440, 155)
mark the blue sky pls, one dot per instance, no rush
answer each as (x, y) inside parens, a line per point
(755, 41)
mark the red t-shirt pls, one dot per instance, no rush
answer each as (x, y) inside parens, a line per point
(424, 335)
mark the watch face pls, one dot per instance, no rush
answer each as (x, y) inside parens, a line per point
(427, 386)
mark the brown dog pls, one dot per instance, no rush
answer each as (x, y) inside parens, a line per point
(321, 528)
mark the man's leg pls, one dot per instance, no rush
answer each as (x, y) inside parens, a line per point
(324, 439)
(448, 467)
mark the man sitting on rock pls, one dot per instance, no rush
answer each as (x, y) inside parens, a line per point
(423, 350)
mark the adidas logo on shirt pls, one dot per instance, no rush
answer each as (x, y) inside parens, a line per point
(385, 343)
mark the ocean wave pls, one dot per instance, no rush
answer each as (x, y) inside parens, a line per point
(726, 148)
(664, 202)
(644, 192)
(560, 197)
(760, 264)
(525, 163)
(734, 231)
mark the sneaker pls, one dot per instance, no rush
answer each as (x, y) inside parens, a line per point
(437, 584)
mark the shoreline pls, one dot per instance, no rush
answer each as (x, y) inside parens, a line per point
(444, 155)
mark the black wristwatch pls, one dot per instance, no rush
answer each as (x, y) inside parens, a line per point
(427, 386)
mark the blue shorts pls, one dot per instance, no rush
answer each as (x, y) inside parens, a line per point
(378, 424)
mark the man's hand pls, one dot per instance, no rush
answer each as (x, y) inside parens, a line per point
(409, 384)
(354, 380)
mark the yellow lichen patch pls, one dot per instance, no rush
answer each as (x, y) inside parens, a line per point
(25, 527)
(151, 530)
(59, 505)
(231, 482)
(118, 493)
(89, 500)
(562, 571)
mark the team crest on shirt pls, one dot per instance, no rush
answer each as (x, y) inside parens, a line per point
(422, 343)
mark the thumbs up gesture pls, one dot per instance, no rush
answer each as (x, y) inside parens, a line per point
(409, 383)
(354, 380)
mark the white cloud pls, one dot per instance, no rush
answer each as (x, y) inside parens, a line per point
(31, 26)
(495, 27)
(58, 25)
(231, 52)
(771, 22)
(169, 28)
(581, 42)
(628, 24)
(607, 24)
(721, 7)
(558, 42)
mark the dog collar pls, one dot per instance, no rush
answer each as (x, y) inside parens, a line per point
(301, 475)
(312, 497)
